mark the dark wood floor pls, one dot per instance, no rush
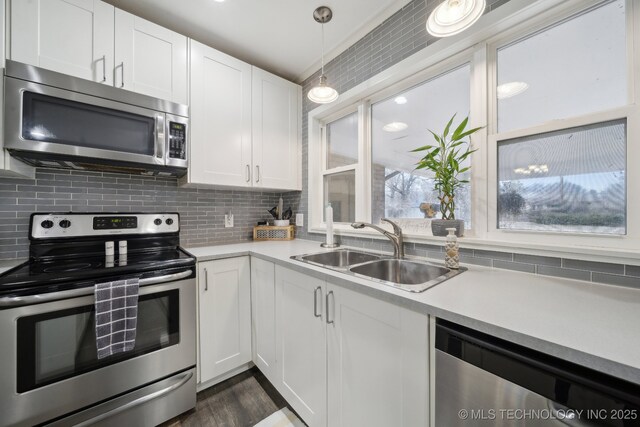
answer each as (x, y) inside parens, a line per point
(241, 401)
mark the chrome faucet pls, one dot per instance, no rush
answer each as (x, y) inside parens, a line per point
(395, 237)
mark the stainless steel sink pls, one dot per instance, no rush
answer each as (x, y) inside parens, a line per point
(406, 274)
(341, 258)
(409, 275)
(400, 271)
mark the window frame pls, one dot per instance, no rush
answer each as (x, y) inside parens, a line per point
(317, 131)
(478, 46)
(629, 112)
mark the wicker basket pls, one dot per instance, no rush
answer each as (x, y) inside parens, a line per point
(271, 232)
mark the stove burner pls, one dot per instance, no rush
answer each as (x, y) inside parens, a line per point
(68, 267)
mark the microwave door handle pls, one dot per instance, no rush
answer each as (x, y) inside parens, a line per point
(160, 136)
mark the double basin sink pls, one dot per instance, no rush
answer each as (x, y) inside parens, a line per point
(407, 274)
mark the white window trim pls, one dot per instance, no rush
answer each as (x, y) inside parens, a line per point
(630, 112)
(510, 22)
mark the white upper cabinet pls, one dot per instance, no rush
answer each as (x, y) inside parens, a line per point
(244, 124)
(73, 37)
(92, 40)
(220, 118)
(150, 59)
(275, 117)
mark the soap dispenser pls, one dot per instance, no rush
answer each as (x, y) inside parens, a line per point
(451, 252)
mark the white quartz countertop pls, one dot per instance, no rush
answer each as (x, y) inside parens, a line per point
(594, 325)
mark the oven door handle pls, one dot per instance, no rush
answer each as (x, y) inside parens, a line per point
(73, 293)
(137, 402)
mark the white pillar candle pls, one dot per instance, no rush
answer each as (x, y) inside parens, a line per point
(122, 247)
(329, 219)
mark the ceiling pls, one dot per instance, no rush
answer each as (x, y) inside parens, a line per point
(277, 35)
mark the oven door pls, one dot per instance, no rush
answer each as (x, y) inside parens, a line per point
(50, 360)
(59, 122)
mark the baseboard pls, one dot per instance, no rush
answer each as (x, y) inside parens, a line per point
(240, 369)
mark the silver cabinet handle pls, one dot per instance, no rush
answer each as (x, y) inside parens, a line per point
(206, 280)
(104, 68)
(315, 302)
(330, 294)
(89, 290)
(257, 173)
(139, 401)
(122, 74)
(248, 173)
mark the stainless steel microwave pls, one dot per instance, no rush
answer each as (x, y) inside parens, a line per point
(55, 120)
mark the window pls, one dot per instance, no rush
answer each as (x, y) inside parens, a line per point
(400, 124)
(341, 141)
(556, 91)
(571, 180)
(340, 192)
(574, 68)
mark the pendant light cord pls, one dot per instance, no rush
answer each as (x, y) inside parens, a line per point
(322, 69)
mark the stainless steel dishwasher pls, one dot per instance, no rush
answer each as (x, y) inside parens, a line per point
(485, 381)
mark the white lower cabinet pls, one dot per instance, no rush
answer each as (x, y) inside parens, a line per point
(224, 305)
(263, 316)
(378, 367)
(347, 359)
(301, 339)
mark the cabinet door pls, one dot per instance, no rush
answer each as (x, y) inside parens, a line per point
(377, 362)
(276, 142)
(263, 319)
(225, 315)
(220, 118)
(301, 345)
(150, 59)
(73, 37)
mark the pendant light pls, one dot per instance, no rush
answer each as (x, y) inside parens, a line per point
(454, 16)
(322, 94)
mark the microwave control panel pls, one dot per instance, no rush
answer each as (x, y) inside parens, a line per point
(177, 140)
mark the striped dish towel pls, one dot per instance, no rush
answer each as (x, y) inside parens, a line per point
(116, 316)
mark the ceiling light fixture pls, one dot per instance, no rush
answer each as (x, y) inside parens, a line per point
(322, 94)
(400, 100)
(454, 16)
(395, 127)
(507, 90)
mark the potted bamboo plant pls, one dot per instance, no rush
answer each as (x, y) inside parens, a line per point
(444, 159)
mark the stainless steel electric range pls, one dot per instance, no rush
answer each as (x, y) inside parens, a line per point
(51, 373)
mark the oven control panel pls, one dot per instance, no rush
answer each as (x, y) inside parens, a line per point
(177, 140)
(114, 222)
(62, 225)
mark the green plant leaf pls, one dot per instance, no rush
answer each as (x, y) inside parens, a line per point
(469, 132)
(423, 148)
(437, 138)
(446, 129)
(460, 128)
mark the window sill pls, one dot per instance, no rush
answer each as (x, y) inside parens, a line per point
(580, 252)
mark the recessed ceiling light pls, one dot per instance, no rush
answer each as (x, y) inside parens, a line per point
(400, 100)
(395, 127)
(507, 90)
(219, 1)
